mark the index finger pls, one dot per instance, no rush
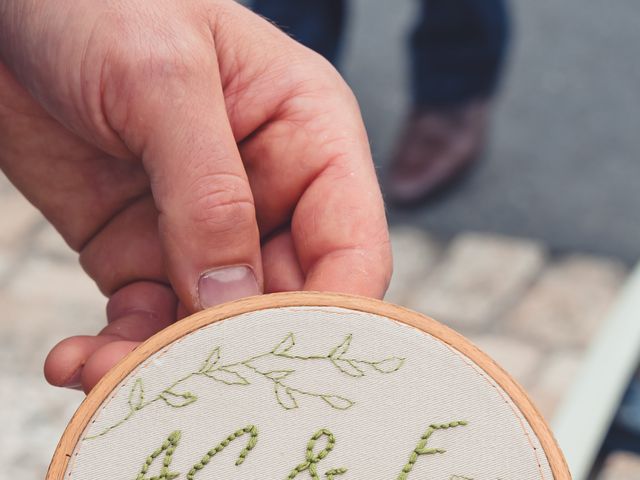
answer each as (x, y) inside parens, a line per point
(340, 232)
(339, 227)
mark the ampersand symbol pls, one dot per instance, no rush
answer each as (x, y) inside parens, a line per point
(311, 463)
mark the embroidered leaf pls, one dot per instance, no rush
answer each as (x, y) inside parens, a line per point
(388, 365)
(278, 374)
(348, 367)
(285, 397)
(285, 345)
(342, 348)
(136, 395)
(211, 360)
(178, 400)
(228, 377)
(337, 401)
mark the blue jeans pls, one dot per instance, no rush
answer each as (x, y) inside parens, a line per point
(457, 47)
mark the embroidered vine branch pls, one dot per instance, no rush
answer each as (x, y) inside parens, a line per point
(239, 374)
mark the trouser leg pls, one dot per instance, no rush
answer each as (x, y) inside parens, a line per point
(457, 50)
(318, 24)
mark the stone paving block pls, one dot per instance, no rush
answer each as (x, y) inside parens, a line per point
(519, 358)
(28, 330)
(6, 186)
(621, 466)
(17, 219)
(37, 413)
(49, 242)
(554, 381)
(46, 281)
(567, 304)
(32, 423)
(479, 276)
(44, 303)
(415, 252)
(6, 261)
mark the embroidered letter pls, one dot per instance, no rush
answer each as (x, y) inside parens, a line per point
(421, 448)
(311, 462)
(253, 439)
(168, 447)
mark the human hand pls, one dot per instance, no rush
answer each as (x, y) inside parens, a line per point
(191, 153)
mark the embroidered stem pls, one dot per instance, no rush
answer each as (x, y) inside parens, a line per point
(285, 394)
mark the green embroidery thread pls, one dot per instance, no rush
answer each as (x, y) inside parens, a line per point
(310, 464)
(330, 474)
(285, 394)
(421, 448)
(168, 447)
(311, 459)
(253, 439)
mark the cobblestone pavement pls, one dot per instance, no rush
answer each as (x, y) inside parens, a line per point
(534, 313)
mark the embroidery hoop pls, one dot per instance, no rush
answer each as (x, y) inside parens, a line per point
(106, 386)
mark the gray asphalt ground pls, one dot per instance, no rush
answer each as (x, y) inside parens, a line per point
(563, 165)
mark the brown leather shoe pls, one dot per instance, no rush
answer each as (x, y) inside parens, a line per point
(435, 148)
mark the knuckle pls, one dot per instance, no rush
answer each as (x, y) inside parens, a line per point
(145, 65)
(144, 52)
(167, 61)
(156, 62)
(221, 203)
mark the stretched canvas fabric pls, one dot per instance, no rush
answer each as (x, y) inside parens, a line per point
(374, 383)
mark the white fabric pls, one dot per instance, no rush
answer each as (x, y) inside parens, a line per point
(374, 437)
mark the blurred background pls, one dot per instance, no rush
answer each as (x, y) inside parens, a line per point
(527, 247)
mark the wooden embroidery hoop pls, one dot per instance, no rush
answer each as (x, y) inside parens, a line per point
(104, 388)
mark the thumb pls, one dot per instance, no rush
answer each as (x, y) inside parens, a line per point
(177, 122)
